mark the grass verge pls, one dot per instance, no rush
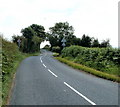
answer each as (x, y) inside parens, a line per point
(7, 84)
(89, 70)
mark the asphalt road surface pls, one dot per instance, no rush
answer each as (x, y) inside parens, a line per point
(42, 80)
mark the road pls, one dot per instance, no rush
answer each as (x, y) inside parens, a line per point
(42, 80)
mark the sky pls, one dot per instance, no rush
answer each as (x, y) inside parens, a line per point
(95, 18)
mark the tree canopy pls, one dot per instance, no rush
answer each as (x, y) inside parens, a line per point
(33, 35)
(59, 31)
(31, 38)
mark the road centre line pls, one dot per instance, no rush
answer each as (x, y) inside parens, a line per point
(88, 100)
(44, 65)
(41, 60)
(52, 73)
(91, 102)
(48, 69)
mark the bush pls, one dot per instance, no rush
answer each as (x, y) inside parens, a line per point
(56, 49)
(89, 70)
(47, 47)
(103, 59)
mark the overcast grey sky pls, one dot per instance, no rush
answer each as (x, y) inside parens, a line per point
(95, 18)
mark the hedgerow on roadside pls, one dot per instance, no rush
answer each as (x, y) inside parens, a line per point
(103, 59)
(10, 58)
(89, 70)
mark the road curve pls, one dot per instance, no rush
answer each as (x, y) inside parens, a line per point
(42, 80)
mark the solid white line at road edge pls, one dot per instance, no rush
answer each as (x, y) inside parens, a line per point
(52, 73)
(91, 102)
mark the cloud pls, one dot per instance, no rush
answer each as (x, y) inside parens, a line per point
(96, 18)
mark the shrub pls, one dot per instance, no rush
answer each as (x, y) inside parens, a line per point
(89, 70)
(103, 59)
(56, 49)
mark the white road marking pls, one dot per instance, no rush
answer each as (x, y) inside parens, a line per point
(52, 73)
(44, 65)
(41, 60)
(91, 102)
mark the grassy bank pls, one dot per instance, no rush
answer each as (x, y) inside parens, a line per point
(89, 70)
(11, 58)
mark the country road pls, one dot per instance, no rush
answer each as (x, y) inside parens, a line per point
(42, 80)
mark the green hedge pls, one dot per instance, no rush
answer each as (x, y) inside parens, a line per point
(103, 59)
(89, 70)
(10, 58)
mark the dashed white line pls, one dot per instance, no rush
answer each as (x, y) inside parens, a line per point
(41, 59)
(91, 102)
(44, 65)
(52, 73)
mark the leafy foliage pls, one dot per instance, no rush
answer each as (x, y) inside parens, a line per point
(64, 30)
(10, 55)
(31, 38)
(103, 59)
(47, 47)
(58, 32)
(86, 41)
(56, 49)
(89, 70)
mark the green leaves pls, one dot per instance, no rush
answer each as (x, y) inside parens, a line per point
(31, 38)
(89, 70)
(103, 59)
(10, 53)
(59, 31)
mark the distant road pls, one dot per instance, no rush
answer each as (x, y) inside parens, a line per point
(42, 80)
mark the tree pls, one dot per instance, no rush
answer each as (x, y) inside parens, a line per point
(34, 35)
(58, 32)
(105, 44)
(28, 32)
(86, 41)
(23, 43)
(95, 43)
(39, 31)
(36, 41)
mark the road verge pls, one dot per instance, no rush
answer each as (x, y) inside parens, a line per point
(89, 70)
(7, 85)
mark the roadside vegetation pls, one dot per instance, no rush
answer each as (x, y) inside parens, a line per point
(13, 52)
(85, 53)
(11, 58)
(0, 70)
(89, 70)
(102, 62)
